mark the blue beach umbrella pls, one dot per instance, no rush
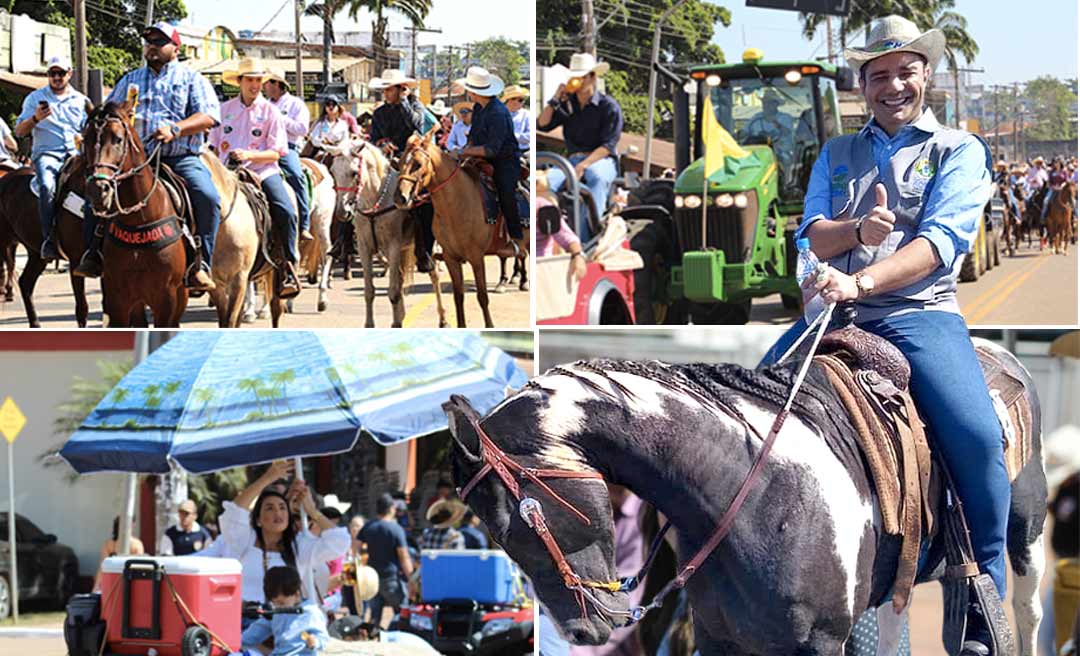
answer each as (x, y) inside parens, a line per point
(210, 400)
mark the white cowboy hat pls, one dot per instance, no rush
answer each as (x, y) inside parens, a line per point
(894, 34)
(444, 513)
(481, 82)
(514, 91)
(279, 75)
(246, 67)
(582, 63)
(391, 77)
(439, 108)
(332, 501)
(367, 583)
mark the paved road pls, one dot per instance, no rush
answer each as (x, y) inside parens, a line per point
(56, 308)
(1030, 288)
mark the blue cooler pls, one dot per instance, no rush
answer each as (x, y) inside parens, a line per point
(486, 576)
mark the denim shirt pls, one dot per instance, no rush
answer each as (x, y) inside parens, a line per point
(56, 134)
(585, 128)
(938, 181)
(171, 96)
(493, 129)
(287, 630)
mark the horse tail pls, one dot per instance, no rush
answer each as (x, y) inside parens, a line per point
(408, 264)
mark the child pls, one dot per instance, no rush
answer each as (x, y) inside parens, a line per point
(295, 634)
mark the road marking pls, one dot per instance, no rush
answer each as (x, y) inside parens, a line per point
(989, 293)
(413, 312)
(1043, 259)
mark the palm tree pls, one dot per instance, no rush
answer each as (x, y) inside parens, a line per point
(326, 10)
(957, 42)
(283, 378)
(414, 10)
(864, 12)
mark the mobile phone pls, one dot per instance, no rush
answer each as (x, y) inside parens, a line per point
(43, 104)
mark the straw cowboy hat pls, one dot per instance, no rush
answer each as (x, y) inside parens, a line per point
(278, 75)
(332, 501)
(367, 583)
(464, 104)
(246, 67)
(439, 108)
(481, 82)
(514, 91)
(894, 34)
(445, 513)
(582, 63)
(391, 77)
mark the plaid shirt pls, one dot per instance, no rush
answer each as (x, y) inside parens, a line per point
(442, 538)
(169, 97)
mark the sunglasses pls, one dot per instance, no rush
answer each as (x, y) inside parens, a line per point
(158, 41)
(57, 73)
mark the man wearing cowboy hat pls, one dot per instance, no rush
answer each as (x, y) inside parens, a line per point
(514, 98)
(297, 119)
(592, 124)
(894, 208)
(459, 133)
(253, 135)
(54, 114)
(176, 107)
(399, 117)
(492, 137)
(770, 122)
(443, 515)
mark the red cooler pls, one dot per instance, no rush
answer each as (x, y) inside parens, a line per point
(142, 612)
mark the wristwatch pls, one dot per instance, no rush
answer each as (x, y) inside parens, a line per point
(865, 284)
(176, 130)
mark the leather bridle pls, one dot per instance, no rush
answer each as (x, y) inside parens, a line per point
(116, 174)
(424, 197)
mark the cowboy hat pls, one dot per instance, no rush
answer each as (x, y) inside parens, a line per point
(894, 34)
(514, 91)
(391, 77)
(439, 108)
(278, 75)
(367, 583)
(246, 67)
(582, 63)
(481, 82)
(464, 104)
(332, 501)
(444, 513)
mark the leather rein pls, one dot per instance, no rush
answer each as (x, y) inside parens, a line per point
(496, 460)
(116, 173)
(426, 196)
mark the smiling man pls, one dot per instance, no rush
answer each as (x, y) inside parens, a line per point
(894, 208)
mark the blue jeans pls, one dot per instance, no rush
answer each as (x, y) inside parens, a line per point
(1046, 204)
(294, 175)
(948, 386)
(598, 179)
(282, 214)
(205, 202)
(505, 177)
(46, 169)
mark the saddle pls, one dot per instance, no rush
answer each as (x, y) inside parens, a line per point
(271, 251)
(871, 377)
(483, 172)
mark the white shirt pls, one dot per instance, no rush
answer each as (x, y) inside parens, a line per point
(5, 133)
(239, 537)
(326, 132)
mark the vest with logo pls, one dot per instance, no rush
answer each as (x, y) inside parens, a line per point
(911, 172)
(185, 544)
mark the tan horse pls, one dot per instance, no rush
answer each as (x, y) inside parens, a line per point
(460, 226)
(315, 254)
(1059, 219)
(359, 170)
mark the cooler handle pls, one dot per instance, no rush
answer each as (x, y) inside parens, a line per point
(138, 569)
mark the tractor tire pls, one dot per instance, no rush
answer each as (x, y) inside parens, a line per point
(724, 314)
(970, 269)
(5, 597)
(196, 642)
(791, 302)
(997, 249)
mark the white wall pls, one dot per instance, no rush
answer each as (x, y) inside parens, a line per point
(80, 514)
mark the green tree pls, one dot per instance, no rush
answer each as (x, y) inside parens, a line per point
(502, 57)
(415, 11)
(957, 42)
(1054, 105)
(863, 13)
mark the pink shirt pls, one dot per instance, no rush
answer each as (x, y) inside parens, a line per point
(258, 127)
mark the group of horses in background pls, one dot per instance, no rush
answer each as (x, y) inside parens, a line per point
(115, 173)
(1024, 223)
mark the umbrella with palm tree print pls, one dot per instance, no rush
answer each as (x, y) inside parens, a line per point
(210, 400)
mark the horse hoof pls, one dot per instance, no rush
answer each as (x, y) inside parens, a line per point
(443, 324)
(9, 298)
(248, 317)
(524, 286)
(499, 289)
(264, 313)
(288, 306)
(322, 306)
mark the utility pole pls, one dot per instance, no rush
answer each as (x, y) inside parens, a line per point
(81, 61)
(449, 74)
(1016, 140)
(588, 28)
(298, 10)
(828, 36)
(149, 12)
(415, 29)
(646, 169)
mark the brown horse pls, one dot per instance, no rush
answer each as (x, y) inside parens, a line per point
(125, 188)
(460, 225)
(19, 224)
(1059, 218)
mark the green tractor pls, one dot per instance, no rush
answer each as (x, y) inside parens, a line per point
(732, 241)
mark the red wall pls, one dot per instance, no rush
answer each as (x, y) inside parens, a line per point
(70, 340)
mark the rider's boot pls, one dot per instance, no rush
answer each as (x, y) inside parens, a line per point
(977, 639)
(305, 235)
(202, 282)
(290, 284)
(49, 252)
(90, 266)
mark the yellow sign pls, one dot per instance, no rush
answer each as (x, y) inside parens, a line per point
(12, 420)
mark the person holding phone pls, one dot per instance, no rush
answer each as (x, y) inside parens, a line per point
(53, 115)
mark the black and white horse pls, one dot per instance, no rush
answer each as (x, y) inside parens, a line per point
(806, 556)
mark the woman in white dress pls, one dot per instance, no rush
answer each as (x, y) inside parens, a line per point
(262, 536)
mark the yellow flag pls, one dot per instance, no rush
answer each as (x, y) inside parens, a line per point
(718, 142)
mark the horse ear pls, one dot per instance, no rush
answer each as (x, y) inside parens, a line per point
(461, 417)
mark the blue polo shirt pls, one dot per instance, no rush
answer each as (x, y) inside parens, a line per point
(56, 134)
(598, 123)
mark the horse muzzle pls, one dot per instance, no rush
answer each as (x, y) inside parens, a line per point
(100, 194)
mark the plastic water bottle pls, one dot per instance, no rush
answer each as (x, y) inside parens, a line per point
(807, 267)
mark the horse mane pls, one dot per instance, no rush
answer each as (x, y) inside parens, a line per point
(111, 109)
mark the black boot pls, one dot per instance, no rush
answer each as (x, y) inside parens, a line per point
(49, 251)
(977, 640)
(90, 265)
